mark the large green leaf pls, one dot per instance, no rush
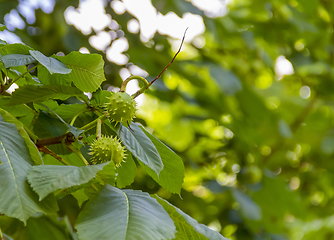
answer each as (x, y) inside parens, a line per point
(17, 199)
(187, 227)
(126, 172)
(34, 153)
(16, 48)
(51, 64)
(39, 93)
(171, 176)
(46, 78)
(87, 70)
(14, 60)
(141, 147)
(45, 179)
(124, 215)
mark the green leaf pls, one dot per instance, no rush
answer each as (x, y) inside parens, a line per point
(108, 173)
(39, 93)
(45, 179)
(248, 207)
(126, 172)
(16, 48)
(48, 126)
(171, 176)
(226, 80)
(45, 228)
(17, 199)
(141, 147)
(20, 73)
(80, 196)
(75, 131)
(124, 215)
(46, 78)
(2, 27)
(68, 111)
(100, 97)
(17, 110)
(87, 70)
(51, 64)
(14, 60)
(187, 227)
(34, 153)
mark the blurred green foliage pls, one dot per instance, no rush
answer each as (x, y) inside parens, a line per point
(257, 149)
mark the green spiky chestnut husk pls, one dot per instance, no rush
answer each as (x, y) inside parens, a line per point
(121, 107)
(107, 149)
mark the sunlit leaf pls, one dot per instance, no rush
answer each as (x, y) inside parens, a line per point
(15, 48)
(51, 64)
(39, 93)
(124, 215)
(87, 70)
(46, 78)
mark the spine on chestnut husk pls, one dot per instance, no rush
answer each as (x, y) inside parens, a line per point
(107, 149)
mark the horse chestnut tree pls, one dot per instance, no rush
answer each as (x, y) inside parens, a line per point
(57, 144)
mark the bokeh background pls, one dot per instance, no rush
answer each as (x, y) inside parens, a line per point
(248, 103)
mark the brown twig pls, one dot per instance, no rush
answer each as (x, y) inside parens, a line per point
(178, 51)
(150, 83)
(45, 150)
(55, 140)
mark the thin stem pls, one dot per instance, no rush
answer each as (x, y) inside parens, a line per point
(126, 81)
(83, 99)
(140, 91)
(98, 128)
(78, 152)
(93, 123)
(76, 116)
(48, 151)
(95, 188)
